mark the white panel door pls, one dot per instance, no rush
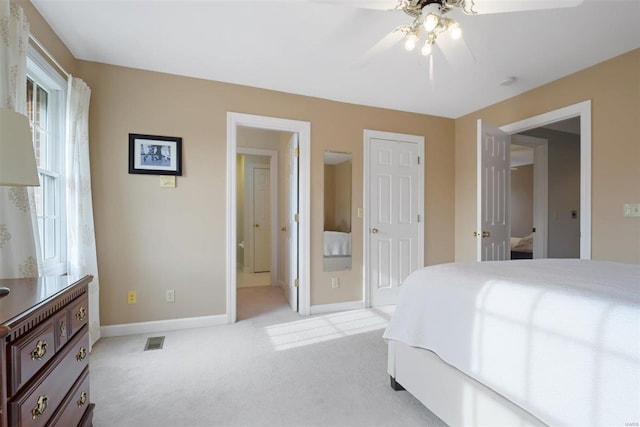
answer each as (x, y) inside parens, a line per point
(262, 220)
(494, 187)
(393, 224)
(292, 224)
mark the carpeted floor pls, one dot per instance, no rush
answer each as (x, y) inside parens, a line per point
(271, 368)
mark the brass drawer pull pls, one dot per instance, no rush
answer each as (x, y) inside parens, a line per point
(81, 314)
(81, 354)
(63, 328)
(40, 350)
(40, 407)
(83, 399)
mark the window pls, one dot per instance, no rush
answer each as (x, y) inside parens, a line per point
(45, 109)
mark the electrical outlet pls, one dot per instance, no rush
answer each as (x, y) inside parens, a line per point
(132, 297)
(171, 295)
(335, 282)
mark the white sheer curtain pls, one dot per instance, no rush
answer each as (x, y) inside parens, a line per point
(81, 243)
(19, 256)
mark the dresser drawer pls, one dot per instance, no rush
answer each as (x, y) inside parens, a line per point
(35, 405)
(76, 403)
(79, 314)
(31, 353)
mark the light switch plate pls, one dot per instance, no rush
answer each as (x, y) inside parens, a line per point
(168, 181)
(359, 212)
(631, 209)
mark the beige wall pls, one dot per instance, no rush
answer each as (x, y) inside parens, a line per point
(189, 255)
(614, 90)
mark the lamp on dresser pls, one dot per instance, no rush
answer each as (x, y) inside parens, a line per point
(17, 159)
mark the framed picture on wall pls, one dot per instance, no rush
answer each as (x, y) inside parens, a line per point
(155, 155)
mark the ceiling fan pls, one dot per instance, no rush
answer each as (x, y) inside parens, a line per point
(430, 20)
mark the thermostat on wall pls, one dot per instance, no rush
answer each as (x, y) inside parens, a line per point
(168, 181)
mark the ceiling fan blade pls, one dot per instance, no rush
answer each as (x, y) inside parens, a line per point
(364, 4)
(457, 52)
(382, 46)
(501, 6)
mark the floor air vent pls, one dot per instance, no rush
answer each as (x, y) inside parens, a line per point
(154, 343)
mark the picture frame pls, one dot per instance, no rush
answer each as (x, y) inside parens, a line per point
(155, 155)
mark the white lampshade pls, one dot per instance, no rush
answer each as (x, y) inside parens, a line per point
(17, 160)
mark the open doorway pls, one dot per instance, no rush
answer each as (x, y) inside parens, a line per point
(557, 216)
(257, 244)
(493, 216)
(257, 209)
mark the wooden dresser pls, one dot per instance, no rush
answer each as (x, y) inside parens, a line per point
(45, 352)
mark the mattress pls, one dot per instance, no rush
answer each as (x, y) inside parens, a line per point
(559, 338)
(337, 243)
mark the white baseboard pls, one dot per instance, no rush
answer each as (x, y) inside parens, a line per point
(340, 306)
(162, 325)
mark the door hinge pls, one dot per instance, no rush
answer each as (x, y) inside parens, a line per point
(418, 159)
(296, 218)
(296, 283)
(418, 217)
(296, 152)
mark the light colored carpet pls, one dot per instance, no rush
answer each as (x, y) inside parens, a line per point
(248, 280)
(271, 368)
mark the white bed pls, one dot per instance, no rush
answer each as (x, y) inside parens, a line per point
(531, 342)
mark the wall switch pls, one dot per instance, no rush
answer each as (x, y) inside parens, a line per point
(631, 209)
(360, 212)
(132, 297)
(168, 181)
(171, 295)
(335, 282)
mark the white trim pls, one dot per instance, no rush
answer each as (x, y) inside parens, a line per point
(273, 184)
(45, 76)
(540, 190)
(303, 129)
(416, 139)
(161, 325)
(340, 306)
(583, 110)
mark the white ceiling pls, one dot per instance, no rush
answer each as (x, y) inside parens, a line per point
(316, 49)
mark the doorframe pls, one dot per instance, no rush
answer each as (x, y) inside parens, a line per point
(303, 129)
(540, 190)
(416, 139)
(273, 208)
(582, 110)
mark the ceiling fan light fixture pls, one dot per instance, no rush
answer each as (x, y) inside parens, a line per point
(427, 49)
(430, 22)
(455, 30)
(411, 40)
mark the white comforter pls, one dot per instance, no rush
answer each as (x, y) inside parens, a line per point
(560, 338)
